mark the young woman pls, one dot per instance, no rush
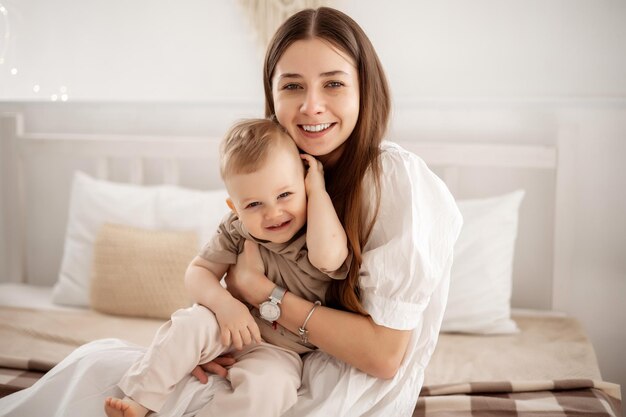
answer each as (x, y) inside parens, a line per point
(325, 85)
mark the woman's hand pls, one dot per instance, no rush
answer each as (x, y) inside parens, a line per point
(217, 366)
(246, 280)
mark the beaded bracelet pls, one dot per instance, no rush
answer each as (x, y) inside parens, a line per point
(302, 331)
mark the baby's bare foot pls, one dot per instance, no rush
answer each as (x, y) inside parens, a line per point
(116, 407)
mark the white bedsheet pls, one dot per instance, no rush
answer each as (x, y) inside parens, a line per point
(30, 296)
(40, 297)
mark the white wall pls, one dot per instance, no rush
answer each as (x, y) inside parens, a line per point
(491, 48)
(598, 230)
(162, 67)
(147, 50)
(198, 50)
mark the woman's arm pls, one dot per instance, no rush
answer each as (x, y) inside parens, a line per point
(355, 339)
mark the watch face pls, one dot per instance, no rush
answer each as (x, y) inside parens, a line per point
(269, 311)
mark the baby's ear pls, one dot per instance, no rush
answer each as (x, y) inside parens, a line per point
(231, 205)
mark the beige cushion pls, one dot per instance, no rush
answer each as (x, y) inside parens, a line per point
(138, 272)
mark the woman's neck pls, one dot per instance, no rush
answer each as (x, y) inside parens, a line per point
(330, 160)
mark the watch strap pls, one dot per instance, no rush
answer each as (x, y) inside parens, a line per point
(278, 293)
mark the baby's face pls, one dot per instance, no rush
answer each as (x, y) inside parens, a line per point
(271, 202)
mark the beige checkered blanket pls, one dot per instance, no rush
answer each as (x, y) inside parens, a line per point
(550, 364)
(572, 397)
(13, 380)
(33, 341)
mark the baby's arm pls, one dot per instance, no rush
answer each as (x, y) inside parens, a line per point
(326, 240)
(237, 326)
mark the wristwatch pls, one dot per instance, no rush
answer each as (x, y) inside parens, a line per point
(270, 310)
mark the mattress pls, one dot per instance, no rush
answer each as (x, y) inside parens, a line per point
(548, 362)
(549, 368)
(547, 347)
(30, 296)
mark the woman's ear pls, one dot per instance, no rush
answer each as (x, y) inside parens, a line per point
(231, 205)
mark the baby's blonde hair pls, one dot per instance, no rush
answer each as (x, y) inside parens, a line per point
(246, 145)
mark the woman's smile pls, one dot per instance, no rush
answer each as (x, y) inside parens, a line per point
(316, 130)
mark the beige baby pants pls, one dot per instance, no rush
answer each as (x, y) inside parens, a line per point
(264, 380)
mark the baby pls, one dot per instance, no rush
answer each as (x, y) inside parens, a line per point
(272, 199)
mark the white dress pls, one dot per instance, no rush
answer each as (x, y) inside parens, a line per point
(404, 279)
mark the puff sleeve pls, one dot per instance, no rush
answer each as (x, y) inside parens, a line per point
(409, 251)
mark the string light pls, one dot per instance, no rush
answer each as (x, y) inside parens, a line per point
(4, 46)
(7, 46)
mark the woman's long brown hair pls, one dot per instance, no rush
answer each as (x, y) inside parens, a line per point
(361, 152)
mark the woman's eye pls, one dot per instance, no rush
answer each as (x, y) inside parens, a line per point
(334, 84)
(253, 204)
(285, 194)
(291, 87)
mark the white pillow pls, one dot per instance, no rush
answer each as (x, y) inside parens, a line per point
(480, 284)
(95, 202)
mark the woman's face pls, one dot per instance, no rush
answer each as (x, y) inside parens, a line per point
(315, 87)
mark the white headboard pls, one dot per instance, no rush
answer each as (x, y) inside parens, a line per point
(36, 172)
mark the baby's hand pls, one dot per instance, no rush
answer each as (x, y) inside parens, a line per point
(237, 326)
(314, 180)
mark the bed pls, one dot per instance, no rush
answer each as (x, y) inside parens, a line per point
(60, 190)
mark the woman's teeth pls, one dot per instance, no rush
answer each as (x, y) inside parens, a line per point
(316, 128)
